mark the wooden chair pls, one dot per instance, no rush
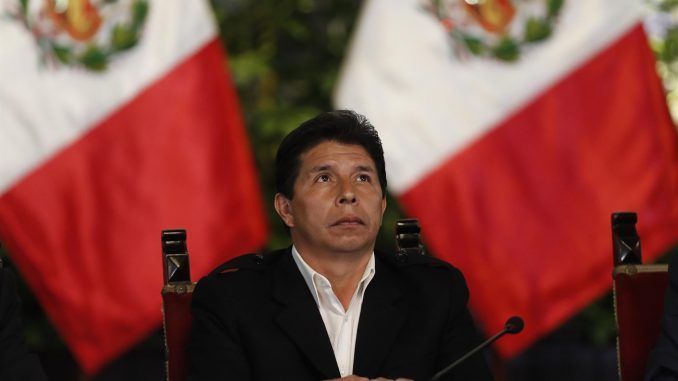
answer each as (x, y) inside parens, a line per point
(177, 291)
(638, 299)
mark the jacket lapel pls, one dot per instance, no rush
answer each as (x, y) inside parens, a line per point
(300, 319)
(383, 314)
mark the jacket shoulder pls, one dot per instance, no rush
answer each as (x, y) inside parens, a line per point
(423, 269)
(248, 262)
(236, 278)
(414, 261)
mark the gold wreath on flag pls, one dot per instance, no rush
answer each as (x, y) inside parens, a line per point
(499, 29)
(82, 33)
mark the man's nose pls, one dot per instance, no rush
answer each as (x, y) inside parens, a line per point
(347, 194)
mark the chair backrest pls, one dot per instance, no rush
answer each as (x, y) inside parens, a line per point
(408, 237)
(638, 292)
(177, 293)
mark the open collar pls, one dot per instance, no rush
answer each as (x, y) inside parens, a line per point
(383, 314)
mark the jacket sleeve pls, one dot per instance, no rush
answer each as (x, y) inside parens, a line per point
(15, 361)
(461, 336)
(214, 348)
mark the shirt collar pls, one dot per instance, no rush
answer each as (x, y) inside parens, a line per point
(310, 275)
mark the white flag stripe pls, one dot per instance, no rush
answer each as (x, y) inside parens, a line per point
(401, 73)
(35, 124)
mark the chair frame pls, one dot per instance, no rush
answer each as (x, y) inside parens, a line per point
(177, 293)
(638, 295)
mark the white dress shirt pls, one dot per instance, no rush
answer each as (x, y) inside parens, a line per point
(341, 325)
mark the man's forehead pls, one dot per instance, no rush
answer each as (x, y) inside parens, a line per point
(325, 167)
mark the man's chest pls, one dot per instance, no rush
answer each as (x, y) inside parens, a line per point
(292, 340)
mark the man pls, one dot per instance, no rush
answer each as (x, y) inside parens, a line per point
(15, 361)
(330, 306)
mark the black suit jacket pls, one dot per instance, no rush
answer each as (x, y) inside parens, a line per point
(15, 361)
(255, 319)
(663, 362)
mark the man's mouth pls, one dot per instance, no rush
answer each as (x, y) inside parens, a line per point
(348, 221)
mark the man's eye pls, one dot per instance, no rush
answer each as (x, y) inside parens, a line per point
(364, 178)
(323, 178)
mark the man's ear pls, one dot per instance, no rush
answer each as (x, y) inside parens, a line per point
(283, 206)
(383, 208)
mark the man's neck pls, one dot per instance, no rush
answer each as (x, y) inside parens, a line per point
(343, 270)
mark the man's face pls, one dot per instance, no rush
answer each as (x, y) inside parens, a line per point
(337, 204)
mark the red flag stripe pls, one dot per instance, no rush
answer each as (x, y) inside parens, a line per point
(525, 210)
(84, 228)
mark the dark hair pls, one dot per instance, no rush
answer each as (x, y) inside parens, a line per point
(342, 126)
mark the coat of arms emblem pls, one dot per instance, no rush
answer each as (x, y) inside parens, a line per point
(499, 29)
(82, 33)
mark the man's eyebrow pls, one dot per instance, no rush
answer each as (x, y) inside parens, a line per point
(321, 168)
(365, 168)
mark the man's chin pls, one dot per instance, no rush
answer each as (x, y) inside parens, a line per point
(353, 244)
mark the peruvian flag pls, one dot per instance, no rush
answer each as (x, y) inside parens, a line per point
(117, 120)
(512, 130)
